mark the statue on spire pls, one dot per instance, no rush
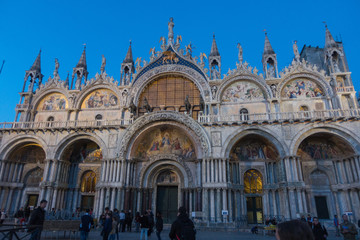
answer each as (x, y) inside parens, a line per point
(296, 51)
(240, 54)
(171, 31)
(103, 63)
(56, 70)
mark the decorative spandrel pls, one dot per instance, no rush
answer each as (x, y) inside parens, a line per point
(100, 98)
(253, 148)
(53, 102)
(302, 88)
(324, 147)
(164, 140)
(253, 182)
(242, 91)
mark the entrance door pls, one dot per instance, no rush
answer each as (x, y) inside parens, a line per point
(32, 200)
(254, 210)
(167, 202)
(87, 202)
(321, 207)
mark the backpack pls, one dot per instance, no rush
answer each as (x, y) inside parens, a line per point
(187, 231)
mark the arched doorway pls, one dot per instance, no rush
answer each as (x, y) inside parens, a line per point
(87, 188)
(167, 183)
(253, 188)
(320, 189)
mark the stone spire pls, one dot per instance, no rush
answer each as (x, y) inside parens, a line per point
(127, 68)
(329, 40)
(269, 60)
(129, 56)
(34, 73)
(80, 71)
(267, 46)
(214, 49)
(37, 63)
(67, 80)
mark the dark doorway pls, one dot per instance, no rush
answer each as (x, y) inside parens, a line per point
(167, 202)
(321, 207)
(87, 202)
(254, 210)
(32, 200)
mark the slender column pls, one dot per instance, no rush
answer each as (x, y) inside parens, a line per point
(208, 171)
(9, 199)
(117, 166)
(103, 170)
(107, 197)
(274, 202)
(138, 201)
(212, 169)
(295, 168)
(265, 199)
(304, 201)
(3, 165)
(299, 197)
(190, 201)
(218, 205)
(18, 197)
(292, 203)
(357, 164)
(107, 177)
(224, 170)
(127, 172)
(203, 166)
(287, 169)
(205, 205)
(220, 170)
(231, 205)
(212, 205)
(224, 203)
(112, 204)
(102, 198)
(299, 169)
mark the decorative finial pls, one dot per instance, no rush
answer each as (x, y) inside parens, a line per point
(265, 32)
(325, 24)
(84, 44)
(130, 42)
(171, 25)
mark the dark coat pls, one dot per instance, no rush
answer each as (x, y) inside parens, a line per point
(107, 225)
(159, 224)
(144, 222)
(37, 217)
(176, 227)
(86, 222)
(319, 232)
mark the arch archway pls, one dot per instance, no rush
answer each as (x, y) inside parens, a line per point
(253, 188)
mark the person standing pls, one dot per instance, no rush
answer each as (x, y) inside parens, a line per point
(114, 227)
(107, 226)
(144, 226)
(151, 220)
(348, 229)
(182, 227)
(128, 220)
(3, 216)
(319, 231)
(137, 222)
(85, 226)
(37, 219)
(159, 225)
(122, 220)
(19, 216)
(336, 225)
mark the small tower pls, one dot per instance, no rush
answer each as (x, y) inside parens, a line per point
(80, 71)
(32, 78)
(269, 60)
(127, 68)
(214, 61)
(334, 54)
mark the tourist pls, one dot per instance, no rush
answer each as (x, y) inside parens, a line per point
(20, 216)
(85, 226)
(128, 220)
(293, 230)
(336, 225)
(117, 218)
(151, 221)
(27, 213)
(114, 226)
(144, 225)
(159, 225)
(303, 218)
(182, 227)
(107, 226)
(309, 220)
(137, 222)
(37, 219)
(122, 220)
(3, 216)
(348, 229)
(320, 232)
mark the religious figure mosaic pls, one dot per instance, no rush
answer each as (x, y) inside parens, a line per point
(252, 148)
(326, 147)
(164, 140)
(53, 102)
(100, 98)
(86, 152)
(242, 91)
(301, 88)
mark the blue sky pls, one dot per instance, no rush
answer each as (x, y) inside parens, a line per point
(60, 28)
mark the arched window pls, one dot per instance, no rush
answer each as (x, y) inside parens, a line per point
(51, 119)
(88, 182)
(304, 110)
(253, 182)
(98, 117)
(244, 114)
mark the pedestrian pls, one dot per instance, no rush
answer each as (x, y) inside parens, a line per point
(159, 225)
(107, 226)
(336, 225)
(85, 226)
(114, 225)
(37, 219)
(144, 225)
(151, 222)
(303, 218)
(182, 227)
(128, 220)
(117, 217)
(20, 216)
(27, 214)
(3, 216)
(293, 230)
(348, 229)
(309, 220)
(122, 220)
(320, 232)
(137, 222)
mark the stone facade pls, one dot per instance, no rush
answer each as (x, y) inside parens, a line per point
(279, 145)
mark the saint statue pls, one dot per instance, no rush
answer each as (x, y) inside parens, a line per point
(103, 63)
(296, 51)
(240, 55)
(171, 31)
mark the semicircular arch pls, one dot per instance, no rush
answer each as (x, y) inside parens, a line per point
(52, 92)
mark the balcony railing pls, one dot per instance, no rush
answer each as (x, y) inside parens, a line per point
(65, 124)
(282, 116)
(345, 89)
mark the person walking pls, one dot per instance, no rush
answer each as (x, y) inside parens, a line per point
(117, 217)
(336, 225)
(85, 226)
(128, 220)
(20, 216)
(122, 220)
(3, 216)
(320, 232)
(151, 220)
(159, 225)
(37, 219)
(293, 230)
(348, 229)
(137, 222)
(107, 226)
(113, 232)
(182, 227)
(144, 226)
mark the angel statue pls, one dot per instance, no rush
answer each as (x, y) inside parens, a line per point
(188, 49)
(240, 54)
(296, 51)
(163, 40)
(138, 63)
(57, 65)
(202, 56)
(153, 53)
(171, 31)
(178, 39)
(103, 63)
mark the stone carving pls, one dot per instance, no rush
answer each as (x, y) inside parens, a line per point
(188, 49)
(153, 54)
(240, 54)
(133, 107)
(273, 89)
(103, 63)
(213, 91)
(56, 71)
(187, 104)
(171, 30)
(170, 57)
(146, 105)
(163, 45)
(296, 51)
(202, 104)
(202, 56)
(216, 139)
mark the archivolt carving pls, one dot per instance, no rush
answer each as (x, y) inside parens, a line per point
(141, 122)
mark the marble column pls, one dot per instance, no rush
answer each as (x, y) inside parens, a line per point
(218, 205)
(299, 197)
(224, 202)
(205, 204)
(212, 205)
(102, 198)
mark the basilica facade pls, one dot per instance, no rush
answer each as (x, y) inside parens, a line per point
(176, 131)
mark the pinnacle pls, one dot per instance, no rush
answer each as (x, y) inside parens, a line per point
(214, 49)
(37, 63)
